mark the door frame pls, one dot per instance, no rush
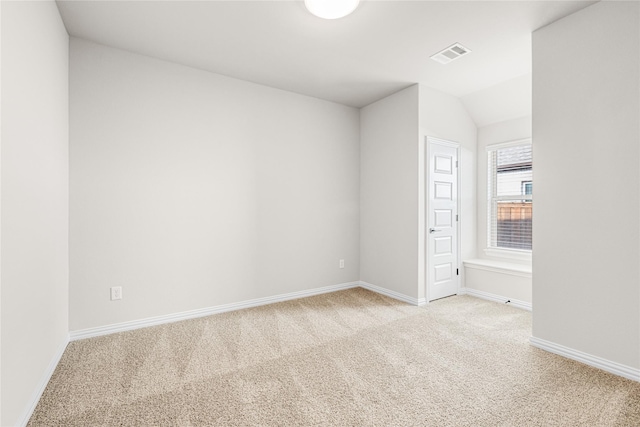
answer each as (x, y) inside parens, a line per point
(428, 140)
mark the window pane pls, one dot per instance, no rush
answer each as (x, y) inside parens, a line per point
(513, 170)
(514, 225)
(510, 197)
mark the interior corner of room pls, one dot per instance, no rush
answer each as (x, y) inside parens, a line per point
(194, 188)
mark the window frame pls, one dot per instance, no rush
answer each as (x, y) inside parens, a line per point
(491, 249)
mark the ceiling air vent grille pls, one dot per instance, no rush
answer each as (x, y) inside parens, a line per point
(451, 53)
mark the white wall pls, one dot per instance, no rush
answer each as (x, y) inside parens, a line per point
(586, 136)
(191, 190)
(34, 242)
(389, 192)
(510, 130)
(444, 116)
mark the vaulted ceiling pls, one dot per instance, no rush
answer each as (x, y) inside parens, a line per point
(382, 47)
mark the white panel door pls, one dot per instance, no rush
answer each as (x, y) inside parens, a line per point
(442, 220)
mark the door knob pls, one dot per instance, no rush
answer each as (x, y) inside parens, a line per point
(433, 230)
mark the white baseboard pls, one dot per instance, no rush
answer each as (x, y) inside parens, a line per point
(393, 294)
(496, 298)
(37, 394)
(208, 311)
(588, 359)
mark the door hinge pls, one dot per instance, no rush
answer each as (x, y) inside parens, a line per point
(456, 163)
(457, 271)
(456, 217)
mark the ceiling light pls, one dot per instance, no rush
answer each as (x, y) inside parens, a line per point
(331, 9)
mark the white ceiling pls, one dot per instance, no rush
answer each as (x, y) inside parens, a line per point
(382, 47)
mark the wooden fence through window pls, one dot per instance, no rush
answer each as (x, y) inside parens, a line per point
(514, 225)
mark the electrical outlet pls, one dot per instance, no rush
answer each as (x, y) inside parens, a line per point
(116, 293)
(341, 263)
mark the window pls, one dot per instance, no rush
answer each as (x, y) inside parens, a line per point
(510, 195)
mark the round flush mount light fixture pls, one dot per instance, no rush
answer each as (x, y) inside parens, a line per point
(331, 9)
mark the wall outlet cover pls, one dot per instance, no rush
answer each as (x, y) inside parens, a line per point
(116, 293)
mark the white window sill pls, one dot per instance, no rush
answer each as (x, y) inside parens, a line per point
(502, 267)
(512, 254)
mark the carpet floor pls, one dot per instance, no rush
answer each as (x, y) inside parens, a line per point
(349, 358)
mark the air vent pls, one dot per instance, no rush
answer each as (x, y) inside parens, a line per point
(451, 53)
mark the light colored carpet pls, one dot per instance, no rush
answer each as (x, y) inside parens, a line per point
(349, 358)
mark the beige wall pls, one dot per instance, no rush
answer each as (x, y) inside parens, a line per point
(586, 144)
(389, 192)
(510, 130)
(34, 217)
(0, 212)
(192, 190)
(495, 282)
(508, 286)
(393, 131)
